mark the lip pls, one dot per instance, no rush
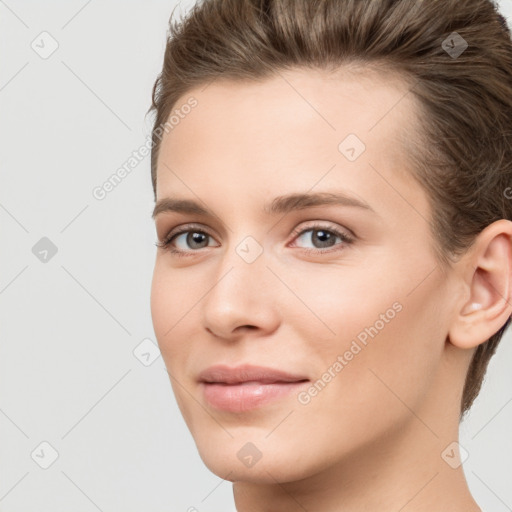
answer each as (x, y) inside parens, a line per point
(246, 387)
(224, 374)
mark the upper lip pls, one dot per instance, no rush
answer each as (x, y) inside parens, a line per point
(245, 373)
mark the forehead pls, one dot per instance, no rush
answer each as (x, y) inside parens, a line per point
(291, 124)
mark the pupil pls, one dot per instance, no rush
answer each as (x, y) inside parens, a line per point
(196, 237)
(323, 235)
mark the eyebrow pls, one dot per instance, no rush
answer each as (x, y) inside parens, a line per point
(279, 205)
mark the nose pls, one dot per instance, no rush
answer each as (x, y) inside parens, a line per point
(242, 296)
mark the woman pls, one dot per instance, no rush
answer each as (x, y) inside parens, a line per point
(333, 209)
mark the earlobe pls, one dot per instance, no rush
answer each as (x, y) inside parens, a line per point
(487, 274)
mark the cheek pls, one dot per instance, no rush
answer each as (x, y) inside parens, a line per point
(161, 303)
(171, 304)
(384, 353)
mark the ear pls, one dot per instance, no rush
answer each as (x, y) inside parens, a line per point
(486, 271)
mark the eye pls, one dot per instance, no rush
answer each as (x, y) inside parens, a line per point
(323, 238)
(194, 238)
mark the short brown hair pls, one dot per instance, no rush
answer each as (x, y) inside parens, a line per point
(463, 155)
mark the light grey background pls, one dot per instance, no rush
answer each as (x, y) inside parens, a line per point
(69, 327)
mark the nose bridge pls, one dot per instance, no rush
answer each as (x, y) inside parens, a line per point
(240, 293)
(240, 275)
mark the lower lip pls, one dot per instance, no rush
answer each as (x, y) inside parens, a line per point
(247, 396)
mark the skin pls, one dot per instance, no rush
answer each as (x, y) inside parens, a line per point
(373, 437)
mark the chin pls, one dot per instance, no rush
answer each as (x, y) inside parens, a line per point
(256, 459)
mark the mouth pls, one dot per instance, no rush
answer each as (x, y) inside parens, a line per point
(247, 387)
(244, 396)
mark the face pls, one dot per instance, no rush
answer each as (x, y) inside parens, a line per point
(344, 294)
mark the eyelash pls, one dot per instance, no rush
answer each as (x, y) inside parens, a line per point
(346, 239)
